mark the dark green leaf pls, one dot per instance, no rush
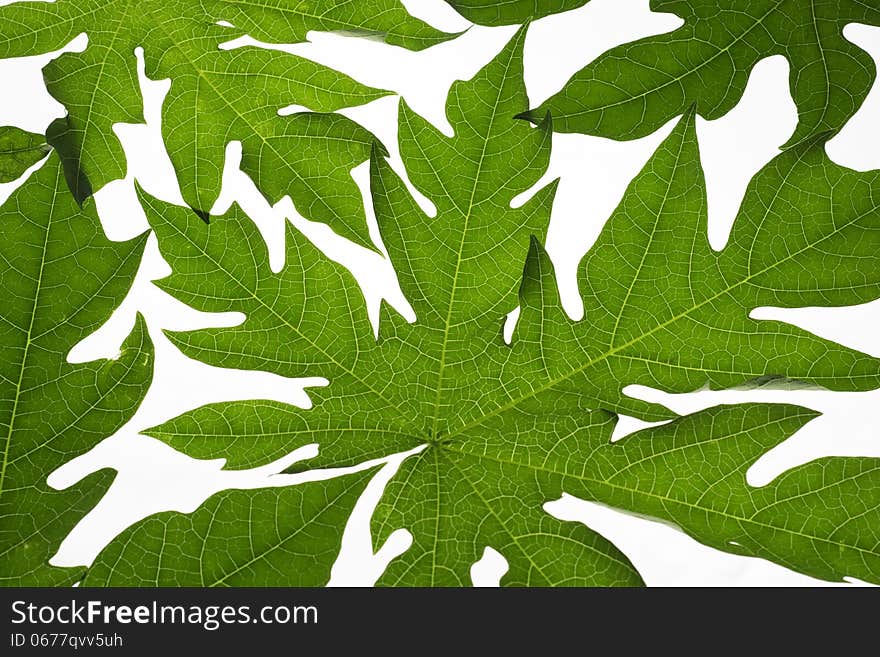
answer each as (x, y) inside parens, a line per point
(511, 12)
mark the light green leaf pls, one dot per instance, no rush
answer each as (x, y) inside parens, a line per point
(662, 309)
(821, 518)
(216, 96)
(19, 150)
(312, 314)
(633, 89)
(61, 279)
(286, 536)
(502, 427)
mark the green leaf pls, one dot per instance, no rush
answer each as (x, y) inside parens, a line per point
(311, 317)
(62, 278)
(821, 518)
(502, 427)
(278, 22)
(511, 12)
(19, 150)
(312, 313)
(662, 309)
(633, 89)
(307, 156)
(286, 536)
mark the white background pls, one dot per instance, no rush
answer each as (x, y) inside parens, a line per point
(594, 173)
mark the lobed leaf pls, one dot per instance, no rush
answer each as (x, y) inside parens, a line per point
(307, 156)
(286, 536)
(62, 278)
(633, 89)
(662, 309)
(19, 150)
(497, 430)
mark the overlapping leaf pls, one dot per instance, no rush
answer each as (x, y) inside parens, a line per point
(311, 318)
(505, 428)
(61, 279)
(216, 96)
(633, 89)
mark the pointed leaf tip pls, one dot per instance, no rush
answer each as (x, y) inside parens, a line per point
(539, 276)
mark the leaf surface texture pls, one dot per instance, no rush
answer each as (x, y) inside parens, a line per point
(61, 279)
(505, 428)
(307, 155)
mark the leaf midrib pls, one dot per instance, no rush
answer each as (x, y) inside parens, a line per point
(654, 226)
(62, 20)
(826, 104)
(107, 52)
(23, 149)
(121, 380)
(33, 315)
(298, 12)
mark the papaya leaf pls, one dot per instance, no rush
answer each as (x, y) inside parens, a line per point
(498, 429)
(61, 279)
(633, 89)
(216, 96)
(287, 536)
(19, 150)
